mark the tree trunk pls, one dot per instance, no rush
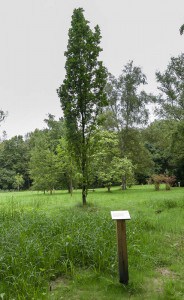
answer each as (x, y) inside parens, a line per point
(124, 182)
(70, 188)
(84, 194)
(109, 188)
(84, 184)
(84, 166)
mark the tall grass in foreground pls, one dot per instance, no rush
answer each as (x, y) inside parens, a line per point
(37, 247)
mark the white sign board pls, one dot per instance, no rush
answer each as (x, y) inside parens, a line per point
(120, 215)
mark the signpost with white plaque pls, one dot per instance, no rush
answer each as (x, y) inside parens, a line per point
(121, 217)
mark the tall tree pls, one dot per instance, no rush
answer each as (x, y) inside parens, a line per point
(127, 103)
(44, 170)
(171, 85)
(127, 111)
(107, 165)
(132, 102)
(82, 92)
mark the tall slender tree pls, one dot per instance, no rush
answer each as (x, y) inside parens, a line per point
(82, 93)
(127, 111)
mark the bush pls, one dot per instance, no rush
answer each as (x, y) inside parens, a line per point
(162, 178)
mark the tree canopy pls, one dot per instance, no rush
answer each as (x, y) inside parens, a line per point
(171, 85)
(126, 102)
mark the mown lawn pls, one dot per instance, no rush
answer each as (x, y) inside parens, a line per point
(53, 248)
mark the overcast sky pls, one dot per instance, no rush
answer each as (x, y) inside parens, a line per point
(34, 35)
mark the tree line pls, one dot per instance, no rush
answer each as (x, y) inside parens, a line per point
(104, 137)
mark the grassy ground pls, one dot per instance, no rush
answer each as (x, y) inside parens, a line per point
(52, 248)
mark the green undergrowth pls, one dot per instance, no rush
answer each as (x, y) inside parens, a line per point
(53, 248)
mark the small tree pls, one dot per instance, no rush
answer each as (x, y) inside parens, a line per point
(157, 180)
(163, 178)
(120, 170)
(107, 165)
(169, 181)
(67, 165)
(18, 181)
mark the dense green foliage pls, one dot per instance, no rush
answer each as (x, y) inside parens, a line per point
(127, 111)
(14, 157)
(177, 150)
(82, 92)
(107, 164)
(126, 102)
(171, 84)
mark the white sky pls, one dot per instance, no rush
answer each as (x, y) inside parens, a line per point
(34, 35)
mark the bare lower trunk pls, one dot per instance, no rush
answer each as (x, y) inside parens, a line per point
(124, 183)
(84, 180)
(84, 194)
(70, 189)
(84, 163)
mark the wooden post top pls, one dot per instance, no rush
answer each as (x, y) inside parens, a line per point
(120, 215)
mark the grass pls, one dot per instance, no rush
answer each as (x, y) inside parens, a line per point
(53, 248)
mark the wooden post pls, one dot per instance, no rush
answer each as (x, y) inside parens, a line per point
(120, 217)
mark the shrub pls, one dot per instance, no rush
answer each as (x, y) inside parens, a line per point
(163, 178)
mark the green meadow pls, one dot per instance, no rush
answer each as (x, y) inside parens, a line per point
(53, 248)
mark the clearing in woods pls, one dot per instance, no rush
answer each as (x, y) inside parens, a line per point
(53, 248)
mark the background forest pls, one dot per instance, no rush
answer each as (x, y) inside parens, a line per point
(42, 160)
(105, 136)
